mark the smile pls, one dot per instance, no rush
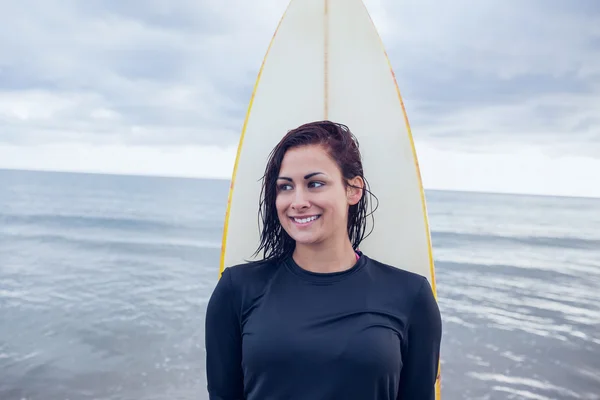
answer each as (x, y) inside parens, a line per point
(306, 220)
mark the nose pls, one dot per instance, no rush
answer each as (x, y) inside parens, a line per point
(300, 200)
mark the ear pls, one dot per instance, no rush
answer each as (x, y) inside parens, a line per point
(354, 190)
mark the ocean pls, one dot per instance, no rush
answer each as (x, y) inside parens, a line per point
(104, 282)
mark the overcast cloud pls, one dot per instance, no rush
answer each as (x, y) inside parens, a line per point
(159, 72)
(157, 75)
(500, 72)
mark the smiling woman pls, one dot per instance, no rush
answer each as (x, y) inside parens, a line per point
(315, 171)
(316, 318)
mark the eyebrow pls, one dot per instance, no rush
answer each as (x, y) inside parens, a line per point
(285, 178)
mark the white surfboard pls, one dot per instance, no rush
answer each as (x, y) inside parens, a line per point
(327, 61)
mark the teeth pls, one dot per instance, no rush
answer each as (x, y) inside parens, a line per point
(305, 220)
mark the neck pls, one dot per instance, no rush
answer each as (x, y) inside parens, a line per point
(323, 258)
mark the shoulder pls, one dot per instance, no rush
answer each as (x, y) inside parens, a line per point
(411, 290)
(251, 272)
(396, 276)
(247, 280)
(239, 283)
(406, 287)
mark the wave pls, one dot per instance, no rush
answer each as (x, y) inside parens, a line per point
(76, 221)
(454, 238)
(466, 268)
(131, 224)
(115, 243)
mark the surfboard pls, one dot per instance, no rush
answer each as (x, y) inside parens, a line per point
(326, 60)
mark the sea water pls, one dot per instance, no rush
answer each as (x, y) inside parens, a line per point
(104, 282)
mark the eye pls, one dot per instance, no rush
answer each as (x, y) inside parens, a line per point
(284, 186)
(315, 184)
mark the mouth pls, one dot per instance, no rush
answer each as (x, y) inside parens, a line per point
(303, 221)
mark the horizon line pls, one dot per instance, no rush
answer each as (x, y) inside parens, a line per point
(220, 178)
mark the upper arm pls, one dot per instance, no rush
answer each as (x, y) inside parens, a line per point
(422, 351)
(223, 344)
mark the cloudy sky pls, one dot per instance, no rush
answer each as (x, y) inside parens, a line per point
(161, 87)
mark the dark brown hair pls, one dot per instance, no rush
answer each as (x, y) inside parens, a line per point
(343, 148)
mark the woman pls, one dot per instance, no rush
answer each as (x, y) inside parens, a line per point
(316, 318)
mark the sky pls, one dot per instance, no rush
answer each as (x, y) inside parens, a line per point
(161, 87)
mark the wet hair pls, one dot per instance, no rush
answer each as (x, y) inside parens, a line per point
(343, 148)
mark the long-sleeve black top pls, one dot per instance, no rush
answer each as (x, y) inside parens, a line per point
(277, 331)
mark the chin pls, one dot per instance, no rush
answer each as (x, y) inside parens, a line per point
(305, 240)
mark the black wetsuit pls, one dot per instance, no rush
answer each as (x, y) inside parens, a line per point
(277, 331)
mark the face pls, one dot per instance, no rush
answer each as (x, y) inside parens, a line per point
(312, 200)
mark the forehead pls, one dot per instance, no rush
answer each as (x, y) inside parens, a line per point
(302, 159)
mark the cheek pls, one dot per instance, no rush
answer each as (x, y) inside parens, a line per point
(341, 208)
(338, 202)
(335, 207)
(280, 204)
